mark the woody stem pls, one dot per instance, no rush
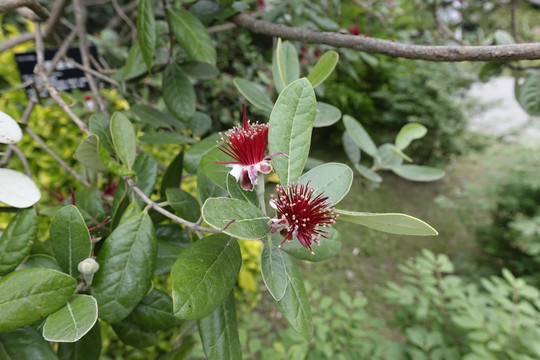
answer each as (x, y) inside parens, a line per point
(260, 192)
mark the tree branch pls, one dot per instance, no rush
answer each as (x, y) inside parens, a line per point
(159, 209)
(525, 51)
(40, 11)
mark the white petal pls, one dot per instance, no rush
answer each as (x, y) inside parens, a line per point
(10, 132)
(17, 189)
(273, 204)
(236, 170)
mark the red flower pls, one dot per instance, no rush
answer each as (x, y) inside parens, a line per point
(354, 30)
(301, 214)
(247, 146)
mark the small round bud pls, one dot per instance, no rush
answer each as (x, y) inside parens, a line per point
(88, 266)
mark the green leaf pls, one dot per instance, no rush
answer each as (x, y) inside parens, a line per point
(351, 149)
(200, 124)
(332, 179)
(146, 31)
(294, 304)
(194, 154)
(133, 335)
(528, 95)
(276, 66)
(16, 240)
(288, 67)
(408, 133)
(368, 173)
(274, 270)
(291, 123)
(100, 126)
(418, 172)
(173, 175)
(178, 92)
(148, 115)
(25, 343)
(154, 312)
(391, 223)
(329, 247)
(112, 165)
(489, 70)
(28, 295)
(326, 115)
(236, 192)
(127, 260)
(219, 332)
(185, 205)
(135, 65)
(87, 348)
(89, 203)
(323, 68)
(249, 221)
(200, 70)
(206, 188)
(70, 239)
(166, 138)
(73, 321)
(192, 36)
(213, 264)
(360, 136)
(124, 140)
(146, 167)
(255, 94)
(172, 240)
(216, 172)
(399, 153)
(87, 154)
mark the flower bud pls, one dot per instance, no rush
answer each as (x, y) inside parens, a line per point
(88, 267)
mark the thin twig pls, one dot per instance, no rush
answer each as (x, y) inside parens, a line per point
(91, 71)
(55, 156)
(442, 26)
(159, 209)
(6, 157)
(23, 159)
(370, 11)
(33, 5)
(61, 52)
(126, 19)
(525, 51)
(50, 88)
(80, 17)
(28, 82)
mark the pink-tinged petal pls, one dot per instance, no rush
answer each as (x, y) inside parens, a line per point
(253, 174)
(264, 167)
(236, 170)
(245, 181)
(273, 204)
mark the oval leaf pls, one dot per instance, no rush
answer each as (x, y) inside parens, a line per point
(25, 343)
(528, 95)
(360, 136)
(178, 92)
(173, 175)
(213, 264)
(17, 240)
(127, 260)
(368, 173)
(351, 149)
(418, 172)
(255, 94)
(73, 321)
(328, 248)
(10, 131)
(323, 68)
(192, 36)
(17, 189)
(334, 180)
(408, 133)
(28, 295)
(391, 223)
(236, 192)
(326, 115)
(249, 221)
(154, 312)
(185, 205)
(101, 126)
(291, 123)
(294, 304)
(87, 348)
(166, 138)
(274, 270)
(146, 31)
(123, 137)
(219, 332)
(194, 154)
(87, 153)
(69, 239)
